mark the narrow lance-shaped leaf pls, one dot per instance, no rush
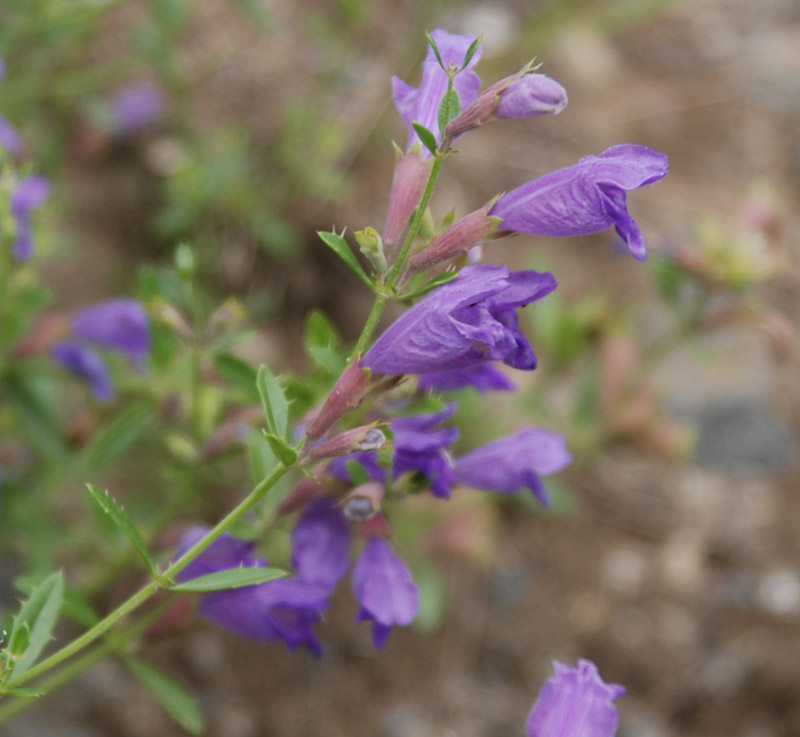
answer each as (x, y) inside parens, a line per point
(471, 52)
(437, 281)
(175, 699)
(343, 250)
(262, 459)
(276, 408)
(232, 578)
(435, 50)
(120, 518)
(237, 372)
(40, 614)
(449, 107)
(285, 452)
(427, 138)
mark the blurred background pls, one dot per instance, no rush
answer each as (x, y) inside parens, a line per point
(670, 556)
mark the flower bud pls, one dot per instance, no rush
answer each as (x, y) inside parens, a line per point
(369, 240)
(364, 502)
(411, 174)
(521, 95)
(350, 389)
(461, 236)
(358, 440)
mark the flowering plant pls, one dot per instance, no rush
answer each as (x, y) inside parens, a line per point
(335, 455)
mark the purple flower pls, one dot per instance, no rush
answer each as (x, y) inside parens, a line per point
(321, 544)
(119, 325)
(86, 364)
(575, 703)
(385, 590)
(483, 376)
(513, 463)
(9, 138)
(585, 198)
(29, 194)
(421, 105)
(468, 321)
(136, 107)
(283, 609)
(418, 448)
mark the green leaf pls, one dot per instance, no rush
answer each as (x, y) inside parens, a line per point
(357, 473)
(435, 50)
(233, 578)
(32, 398)
(330, 360)
(471, 52)
(285, 453)
(276, 408)
(262, 459)
(237, 372)
(39, 613)
(175, 699)
(120, 518)
(449, 107)
(320, 332)
(427, 138)
(20, 640)
(115, 439)
(343, 250)
(437, 281)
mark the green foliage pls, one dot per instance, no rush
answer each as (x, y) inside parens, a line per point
(233, 578)
(341, 248)
(273, 400)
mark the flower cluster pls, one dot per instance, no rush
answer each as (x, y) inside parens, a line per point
(466, 332)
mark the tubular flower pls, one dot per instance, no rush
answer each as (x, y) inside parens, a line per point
(421, 105)
(575, 703)
(86, 364)
(321, 544)
(513, 463)
(521, 95)
(119, 324)
(283, 609)
(29, 194)
(385, 590)
(419, 447)
(585, 198)
(466, 322)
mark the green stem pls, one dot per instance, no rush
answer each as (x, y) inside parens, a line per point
(79, 665)
(151, 588)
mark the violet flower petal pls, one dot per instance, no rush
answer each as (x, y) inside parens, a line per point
(513, 463)
(385, 590)
(575, 702)
(9, 138)
(86, 364)
(28, 195)
(136, 107)
(118, 324)
(321, 544)
(585, 198)
(483, 376)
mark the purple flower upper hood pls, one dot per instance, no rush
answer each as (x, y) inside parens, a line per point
(468, 321)
(585, 198)
(421, 105)
(118, 324)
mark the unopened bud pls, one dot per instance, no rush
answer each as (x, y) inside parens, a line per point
(468, 232)
(350, 389)
(411, 174)
(364, 502)
(369, 240)
(358, 440)
(521, 95)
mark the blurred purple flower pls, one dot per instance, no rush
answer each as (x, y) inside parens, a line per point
(283, 609)
(86, 364)
(321, 544)
(9, 138)
(483, 376)
(513, 463)
(585, 198)
(421, 105)
(118, 324)
(385, 590)
(468, 321)
(418, 448)
(575, 703)
(136, 107)
(28, 195)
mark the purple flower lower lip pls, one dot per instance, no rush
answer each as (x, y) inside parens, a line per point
(469, 321)
(513, 463)
(118, 324)
(85, 363)
(483, 376)
(575, 703)
(585, 198)
(385, 590)
(421, 105)
(321, 544)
